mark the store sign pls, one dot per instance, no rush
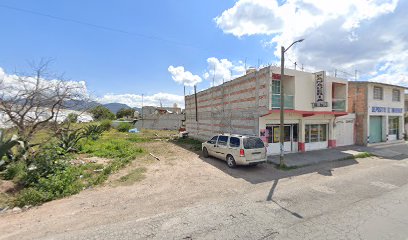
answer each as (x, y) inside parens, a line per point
(386, 110)
(319, 100)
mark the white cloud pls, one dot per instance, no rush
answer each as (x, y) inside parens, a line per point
(11, 84)
(181, 76)
(369, 36)
(248, 17)
(135, 100)
(223, 70)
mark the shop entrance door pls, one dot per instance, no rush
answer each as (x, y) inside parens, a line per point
(290, 137)
(375, 129)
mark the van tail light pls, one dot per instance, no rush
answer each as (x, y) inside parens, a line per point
(241, 153)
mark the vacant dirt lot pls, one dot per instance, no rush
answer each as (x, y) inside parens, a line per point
(186, 196)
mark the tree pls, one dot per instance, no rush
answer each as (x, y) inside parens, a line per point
(31, 102)
(100, 113)
(125, 112)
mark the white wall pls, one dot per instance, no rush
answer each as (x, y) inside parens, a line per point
(386, 102)
(304, 89)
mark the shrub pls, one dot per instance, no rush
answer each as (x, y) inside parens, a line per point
(93, 131)
(62, 183)
(31, 196)
(106, 124)
(72, 118)
(15, 171)
(49, 161)
(68, 139)
(124, 127)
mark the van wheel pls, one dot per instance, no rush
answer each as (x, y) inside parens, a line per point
(231, 161)
(205, 152)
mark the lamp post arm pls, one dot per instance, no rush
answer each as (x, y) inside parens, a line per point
(301, 40)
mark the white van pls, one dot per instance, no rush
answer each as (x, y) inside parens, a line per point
(236, 149)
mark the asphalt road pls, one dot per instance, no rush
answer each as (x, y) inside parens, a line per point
(363, 199)
(370, 206)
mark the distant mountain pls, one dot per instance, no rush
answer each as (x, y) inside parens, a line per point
(80, 105)
(138, 109)
(114, 107)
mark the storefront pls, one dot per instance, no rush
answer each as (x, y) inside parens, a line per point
(385, 124)
(303, 131)
(291, 132)
(316, 136)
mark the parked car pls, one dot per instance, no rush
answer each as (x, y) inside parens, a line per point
(236, 149)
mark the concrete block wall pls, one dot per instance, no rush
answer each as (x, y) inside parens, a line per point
(161, 121)
(233, 107)
(357, 103)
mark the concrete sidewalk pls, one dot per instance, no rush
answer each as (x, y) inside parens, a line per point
(339, 153)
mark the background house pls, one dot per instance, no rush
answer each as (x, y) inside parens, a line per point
(379, 110)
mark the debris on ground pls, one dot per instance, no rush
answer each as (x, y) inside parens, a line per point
(151, 154)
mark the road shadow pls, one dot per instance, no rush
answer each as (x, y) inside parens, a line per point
(269, 172)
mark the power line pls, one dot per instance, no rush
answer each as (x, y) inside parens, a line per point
(97, 26)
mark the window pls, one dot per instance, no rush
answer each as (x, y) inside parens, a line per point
(270, 134)
(315, 133)
(222, 140)
(253, 142)
(378, 93)
(213, 140)
(307, 135)
(396, 96)
(234, 142)
(393, 126)
(275, 87)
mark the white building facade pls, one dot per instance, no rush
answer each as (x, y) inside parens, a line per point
(379, 110)
(315, 111)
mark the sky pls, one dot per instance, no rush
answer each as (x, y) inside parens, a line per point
(120, 50)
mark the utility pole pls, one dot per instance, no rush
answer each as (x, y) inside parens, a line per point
(195, 99)
(142, 111)
(282, 105)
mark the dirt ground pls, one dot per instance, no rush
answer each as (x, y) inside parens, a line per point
(182, 179)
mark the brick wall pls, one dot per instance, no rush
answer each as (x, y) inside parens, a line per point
(232, 107)
(357, 103)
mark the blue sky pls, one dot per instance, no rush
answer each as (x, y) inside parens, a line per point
(148, 37)
(114, 62)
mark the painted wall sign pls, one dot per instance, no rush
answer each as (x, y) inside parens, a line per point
(319, 91)
(376, 109)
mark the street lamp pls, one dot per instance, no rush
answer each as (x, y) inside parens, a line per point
(282, 103)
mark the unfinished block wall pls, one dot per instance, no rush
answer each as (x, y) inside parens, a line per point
(232, 107)
(357, 103)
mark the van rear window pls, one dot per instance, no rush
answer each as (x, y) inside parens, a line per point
(253, 142)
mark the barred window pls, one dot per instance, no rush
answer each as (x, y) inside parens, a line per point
(396, 96)
(378, 93)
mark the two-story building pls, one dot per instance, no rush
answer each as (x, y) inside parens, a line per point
(379, 110)
(315, 109)
(406, 115)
